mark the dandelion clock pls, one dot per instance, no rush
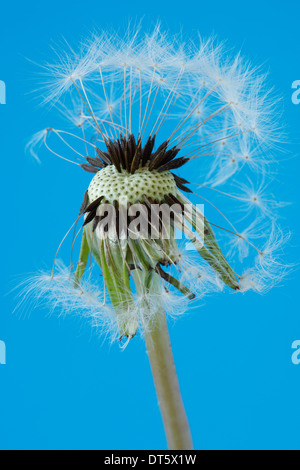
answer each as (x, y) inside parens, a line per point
(178, 140)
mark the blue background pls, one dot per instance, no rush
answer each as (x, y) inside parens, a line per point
(63, 387)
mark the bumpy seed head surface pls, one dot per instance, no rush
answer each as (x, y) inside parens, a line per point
(115, 186)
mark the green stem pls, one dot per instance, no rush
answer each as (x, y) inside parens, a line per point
(83, 258)
(167, 386)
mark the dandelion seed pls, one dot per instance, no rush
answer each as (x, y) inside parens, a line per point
(35, 143)
(269, 268)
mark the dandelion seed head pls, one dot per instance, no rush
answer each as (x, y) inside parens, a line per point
(144, 106)
(115, 185)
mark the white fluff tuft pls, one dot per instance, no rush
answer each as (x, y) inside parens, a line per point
(58, 294)
(35, 143)
(269, 270)
(200, 279)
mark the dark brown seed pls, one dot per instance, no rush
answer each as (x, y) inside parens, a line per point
(174, 164)
(178, 179)
(161, 148)
(94, 204)
(84, 204)
(158, 156)
(148, 200)
(170, 155)
(163, 158)
(121, 153)
(96, 162)
(173, 199)
(124, 144)
(136, 160)
(168, 200)
(130, 146)
(90, 217)
(104, 156)
(183, 187)
(147, 150)
(114, 155)
(89, 168)
(156, 161)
